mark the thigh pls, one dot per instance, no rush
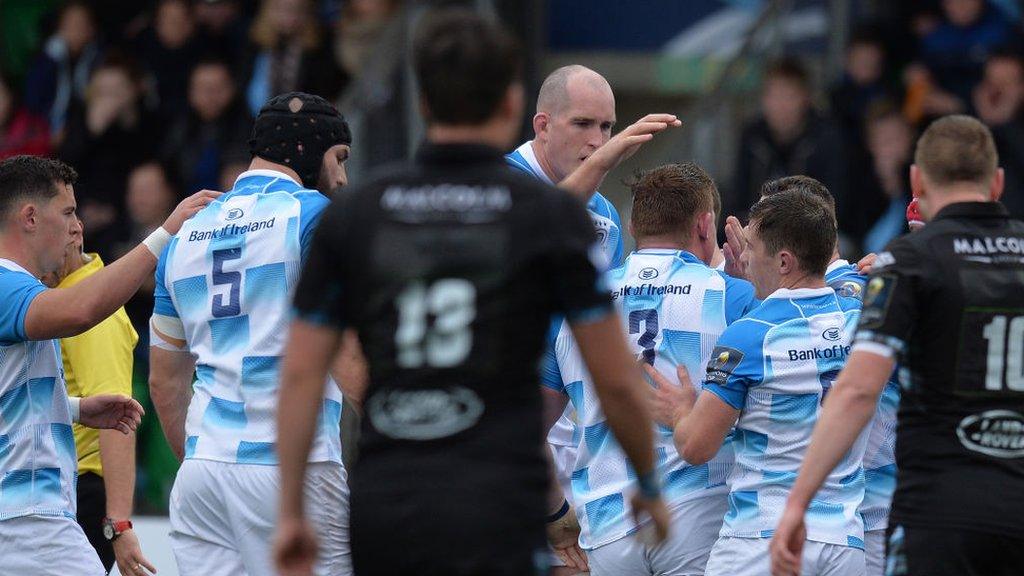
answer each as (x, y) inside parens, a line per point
(326, 492)
(47, 546)
(197, 509)
(201, 556)
(739, 557)
(695, 527)
(947, 552)
(443, 534)
(874, 552)
(92, 508)
(623, 557)
(832, 560)
(251, 504)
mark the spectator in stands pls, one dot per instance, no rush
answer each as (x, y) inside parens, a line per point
(106, 138)
(863, 82)
(221, 29)
(877, 206)
(999, 100)
(359, 28)
(21, 131)
(789, 138)
(215, 128)
(168, 49)
(956, 50)
(150, 199)
(290, 54)
(58, 76)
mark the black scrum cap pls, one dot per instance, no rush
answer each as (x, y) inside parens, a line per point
(296, 129)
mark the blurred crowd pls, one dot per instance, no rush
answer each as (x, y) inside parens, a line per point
(924, 60)
(151, 101)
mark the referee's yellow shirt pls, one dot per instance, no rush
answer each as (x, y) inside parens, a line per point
(98, 361)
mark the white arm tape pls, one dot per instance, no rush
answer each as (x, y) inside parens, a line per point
(76, 408)
(170, 326)
(157, 241)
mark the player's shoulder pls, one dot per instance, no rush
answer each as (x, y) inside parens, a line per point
(13, 275)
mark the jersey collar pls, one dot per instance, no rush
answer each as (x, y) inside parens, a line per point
(973, 210)
(265, 173)
(840, 263)
(796, 293)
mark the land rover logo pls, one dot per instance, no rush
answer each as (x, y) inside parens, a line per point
(424, 414)
(832, 334)
(234, 214)
(998, 433)
(648, 273)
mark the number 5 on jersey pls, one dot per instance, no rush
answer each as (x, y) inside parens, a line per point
(446, 342)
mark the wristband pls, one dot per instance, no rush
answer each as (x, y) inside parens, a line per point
(157, 241)
(561, 512)
(649, 486)
(75, 403)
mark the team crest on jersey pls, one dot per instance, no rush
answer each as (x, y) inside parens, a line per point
(648, 273)
(723, 361)
(833, 334)
(234, 214)
(850, 289)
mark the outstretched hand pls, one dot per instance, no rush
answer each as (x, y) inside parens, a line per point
(187, 208)
(110, 411)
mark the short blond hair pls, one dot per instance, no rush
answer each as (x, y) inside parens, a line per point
(957, 148)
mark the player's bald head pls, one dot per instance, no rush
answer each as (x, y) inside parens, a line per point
(565, 83)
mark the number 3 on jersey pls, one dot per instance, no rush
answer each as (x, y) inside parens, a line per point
(451, 302)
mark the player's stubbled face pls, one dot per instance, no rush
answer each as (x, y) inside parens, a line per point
(332, 172)
(761, 267)
(583, 125)
(59, 227)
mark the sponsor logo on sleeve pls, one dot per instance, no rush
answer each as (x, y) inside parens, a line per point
(877, 297)
(724, 361)
(850, 289)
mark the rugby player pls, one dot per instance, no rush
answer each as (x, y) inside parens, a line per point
(944, 301)
(38, 464)
(768, 374)
(222, 303)
(675, 307)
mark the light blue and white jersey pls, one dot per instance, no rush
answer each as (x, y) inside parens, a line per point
(608, 227)
(38, 465)
(775, 366)
(674, 308)
(602, 212)
(880, 454)
(229, 275)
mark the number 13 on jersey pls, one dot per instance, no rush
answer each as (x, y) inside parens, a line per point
(446, 341)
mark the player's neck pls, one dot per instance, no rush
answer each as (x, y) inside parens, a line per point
(17, 251)
(542, 161)
(800, 280)
(942, 197)
(489, 134)
(261, 164)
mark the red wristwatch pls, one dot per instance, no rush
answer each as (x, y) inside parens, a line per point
(114, 528)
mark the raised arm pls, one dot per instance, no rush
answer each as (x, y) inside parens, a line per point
(62, 312)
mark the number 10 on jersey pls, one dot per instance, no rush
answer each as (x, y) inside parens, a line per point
(446, 342)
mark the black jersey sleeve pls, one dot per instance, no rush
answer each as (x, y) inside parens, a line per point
(579, 291)
(319, 295)
(891, 296)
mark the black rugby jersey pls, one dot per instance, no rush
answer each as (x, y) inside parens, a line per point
(950, 300)
(450, 270)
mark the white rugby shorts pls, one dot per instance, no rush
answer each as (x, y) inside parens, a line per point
(46, 546)
(223, 518)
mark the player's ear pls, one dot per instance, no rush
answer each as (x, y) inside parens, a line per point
(995, 189)
(916, 181)
(540, 122)
(28, 216)
(786, 262)
(705, 225)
